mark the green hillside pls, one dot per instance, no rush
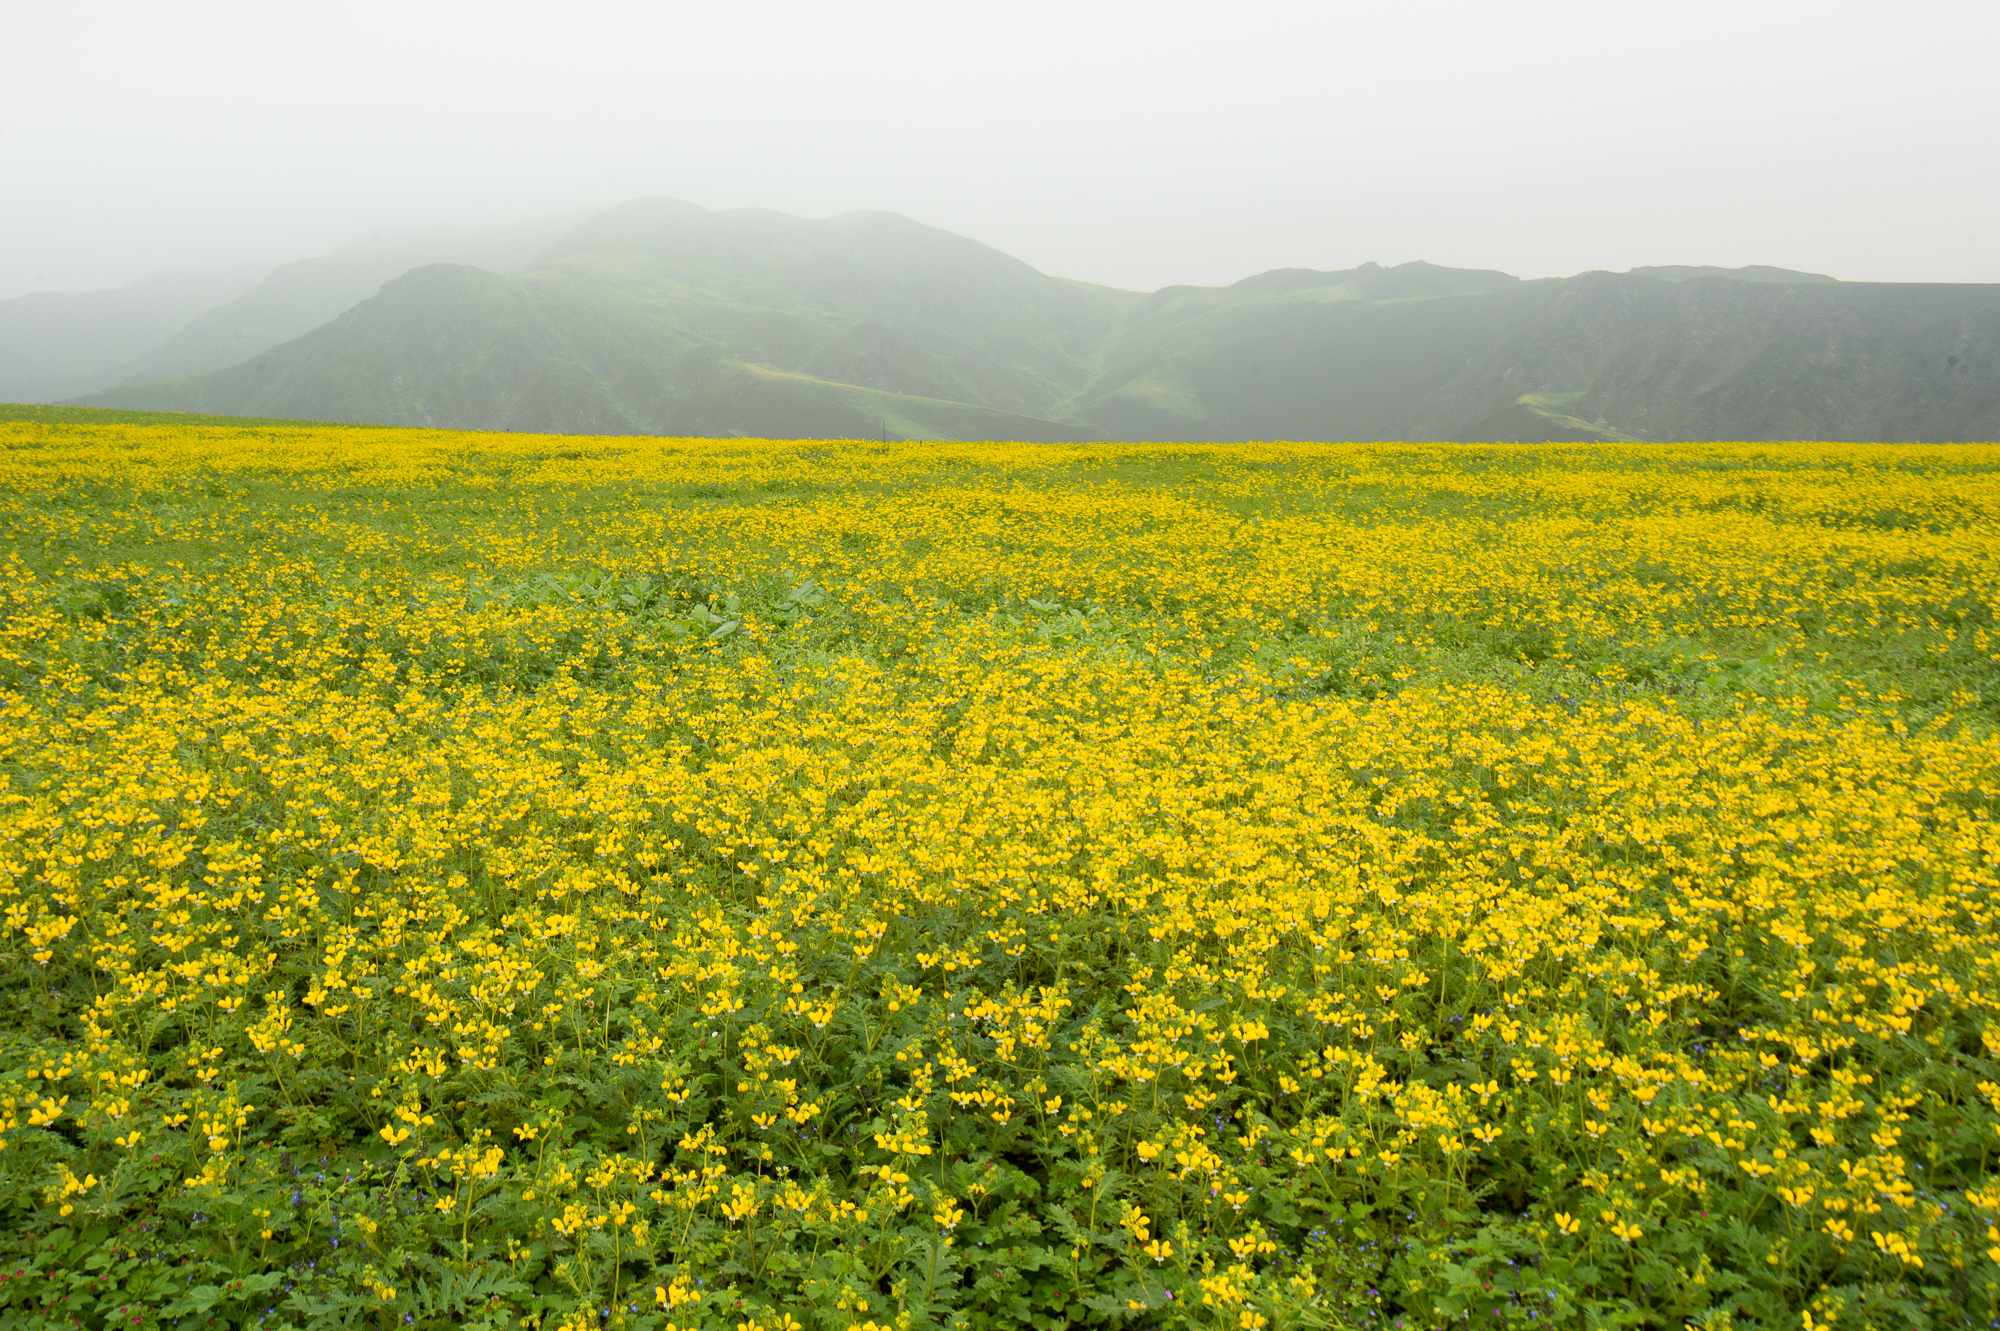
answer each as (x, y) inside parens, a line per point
(66, 415)
(560, 350)
(297, 297)
(660, 317)
(1431, 353)
(1295, 354)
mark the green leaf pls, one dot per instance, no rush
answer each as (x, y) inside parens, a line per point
(199, 1299)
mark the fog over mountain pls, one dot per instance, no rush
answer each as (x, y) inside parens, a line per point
(1124, 144)
(662, 317)
(58, 344)
(54, 344)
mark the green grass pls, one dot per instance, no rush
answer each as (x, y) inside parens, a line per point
(61, 415)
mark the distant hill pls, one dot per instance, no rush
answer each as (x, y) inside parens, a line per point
(56, 344)
(1463, 355)
(662, 317)
(298, 297)
(1753, 273)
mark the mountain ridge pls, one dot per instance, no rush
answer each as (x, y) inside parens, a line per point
(659, 316)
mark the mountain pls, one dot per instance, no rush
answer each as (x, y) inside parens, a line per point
(298, 297)
(662, 317)
(659, 316)
(1298, 354)
(1711, 358)
(1417, 352)
(56, 344)
(1753, 273)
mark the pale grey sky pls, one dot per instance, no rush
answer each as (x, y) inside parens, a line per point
(1135, 144)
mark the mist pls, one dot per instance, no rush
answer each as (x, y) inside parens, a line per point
(1125, 144)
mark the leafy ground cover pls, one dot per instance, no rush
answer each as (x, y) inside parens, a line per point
(540, 882)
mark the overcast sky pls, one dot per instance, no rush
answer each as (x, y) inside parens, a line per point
(1130, 144)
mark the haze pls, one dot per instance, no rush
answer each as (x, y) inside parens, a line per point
(1129, 144)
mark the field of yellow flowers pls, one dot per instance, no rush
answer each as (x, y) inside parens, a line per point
(536, 882)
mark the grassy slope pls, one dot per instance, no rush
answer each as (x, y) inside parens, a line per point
(45, 414)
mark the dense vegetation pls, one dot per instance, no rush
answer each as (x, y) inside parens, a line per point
(522, 881)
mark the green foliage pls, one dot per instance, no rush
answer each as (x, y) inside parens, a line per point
(797, 895)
